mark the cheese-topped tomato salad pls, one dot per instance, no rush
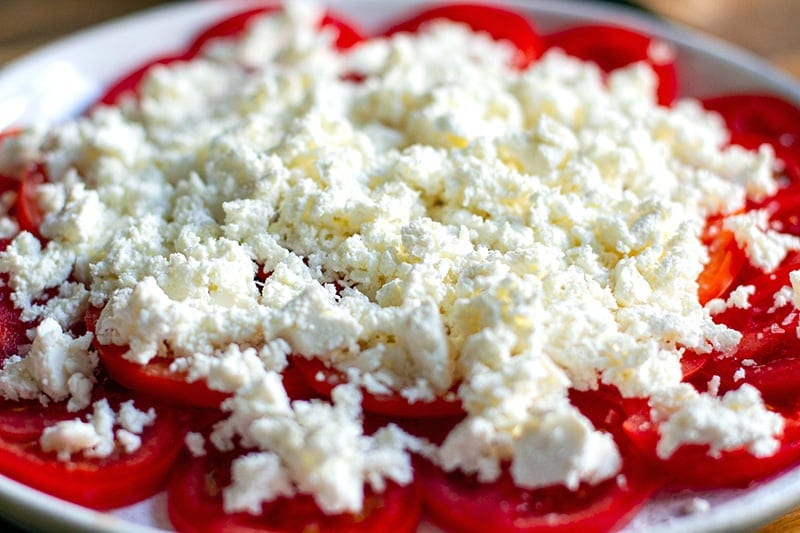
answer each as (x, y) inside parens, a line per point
(455, 271)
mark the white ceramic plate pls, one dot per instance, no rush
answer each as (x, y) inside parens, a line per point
(59, 80)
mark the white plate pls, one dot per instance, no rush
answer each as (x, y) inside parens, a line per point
(59, 80)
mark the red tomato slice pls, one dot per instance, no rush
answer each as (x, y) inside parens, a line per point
(392, 405)
(120, 479)
(194, 503)
(155, 378)
(691, 466)
(457, 502)
(755, 119)
(29, 215)
(7, 183)
(235, 25)
(613, 47)
(789, 156)
(725, 262)
(769, 341)
(762, 114)
(784, 209)
(501, 24)
(12, 328)
(158, 380)
(228, 28)
(129, 83)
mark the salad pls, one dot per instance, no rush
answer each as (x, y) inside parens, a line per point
(309, 279)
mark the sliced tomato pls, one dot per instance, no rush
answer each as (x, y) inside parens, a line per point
(129, 83)
(158, 380)
(7, 183)
(155, 378)
(457, 502)
(766, 115)
(756, 119)
(12, 328)
(692, 467)
(725, 262)
(784, 209)
(613, 47)
(114, 481)
(29, 214)
(769, 343)
(194, 503)
(323, 379)
(235, 25)
(501, 24)
(228, 28)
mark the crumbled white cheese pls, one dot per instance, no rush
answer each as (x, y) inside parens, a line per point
(563, 449)
(95, 437)
(738, 419)
(310, 447)
(739, 298)
(781, 297)
(195, 443)
(765, 247)
(448, 222)
(56, 365)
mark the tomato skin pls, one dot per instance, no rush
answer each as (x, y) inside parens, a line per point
(154, 378)
(129, 83)
(194, 503)
(726, 260)
(115, 481)
(691, 467)
(769, 116)
(392, 405)
(500, 23)
(613, 47)
(29, 215)
(457, 502)
(756, 119)
(12, 328)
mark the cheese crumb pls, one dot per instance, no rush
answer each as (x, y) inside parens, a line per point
(95, 437)
(765, 247)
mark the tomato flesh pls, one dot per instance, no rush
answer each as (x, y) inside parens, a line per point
(457, 502)
(194, 503)
(725, 262)
(692, 467)
(389, 404)
(613, 47)
(29, 214)
(12, 328)
(120, 479)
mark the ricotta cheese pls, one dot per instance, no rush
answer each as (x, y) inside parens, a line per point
(446, 226)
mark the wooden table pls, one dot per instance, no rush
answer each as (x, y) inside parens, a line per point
(766, 27)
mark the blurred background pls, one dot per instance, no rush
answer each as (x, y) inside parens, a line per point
(769, 28)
